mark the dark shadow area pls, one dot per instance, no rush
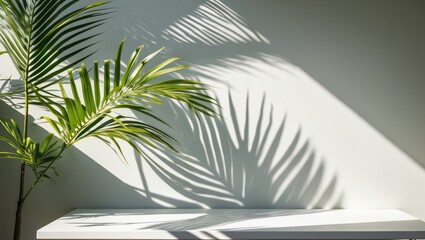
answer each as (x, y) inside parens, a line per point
(47, 202)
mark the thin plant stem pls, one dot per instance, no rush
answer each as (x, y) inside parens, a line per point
(18, 217)
(43, 173)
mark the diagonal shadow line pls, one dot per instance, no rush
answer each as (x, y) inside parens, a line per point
(216, 171)
(5, 85)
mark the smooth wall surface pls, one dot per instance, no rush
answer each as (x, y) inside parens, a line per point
(321, 104)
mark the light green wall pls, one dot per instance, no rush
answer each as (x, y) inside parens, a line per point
(345, 75)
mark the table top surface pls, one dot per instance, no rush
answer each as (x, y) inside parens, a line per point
(234, 224)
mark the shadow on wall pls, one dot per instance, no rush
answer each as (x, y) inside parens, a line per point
(226, 166)
(211, 35)
(214, 171)
(201, 32)
(209, 23)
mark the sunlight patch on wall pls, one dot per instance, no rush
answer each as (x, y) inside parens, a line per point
(367, 163)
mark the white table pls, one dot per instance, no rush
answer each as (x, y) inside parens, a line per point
(233, 224)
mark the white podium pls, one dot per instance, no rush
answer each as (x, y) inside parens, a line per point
(234, 224)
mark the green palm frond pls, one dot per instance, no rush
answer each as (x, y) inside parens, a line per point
(45, 39)
(32, 153)
(40, 36)
(93, 110)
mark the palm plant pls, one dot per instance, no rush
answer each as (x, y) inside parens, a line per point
(40, 36)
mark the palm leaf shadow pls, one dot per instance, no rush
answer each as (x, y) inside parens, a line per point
(9, 91)
(212, 23)
(218, 172)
